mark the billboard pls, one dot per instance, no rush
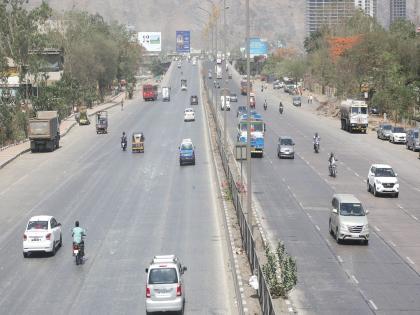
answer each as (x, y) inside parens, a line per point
(151, 41)
(257, 47)
(183, 41)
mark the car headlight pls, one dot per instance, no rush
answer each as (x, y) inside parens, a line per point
(343, 226)
(366, 227)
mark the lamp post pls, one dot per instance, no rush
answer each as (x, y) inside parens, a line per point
(248, 132)
(210, 25)
(225, 81)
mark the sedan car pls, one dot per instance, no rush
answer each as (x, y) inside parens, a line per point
(189, 114)
(42, 234)
(285, 148)
(383, 132)
(297, 101)
(233, 97)
(193, 100)
(397, 135)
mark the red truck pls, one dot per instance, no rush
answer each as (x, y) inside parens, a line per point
(150, 92)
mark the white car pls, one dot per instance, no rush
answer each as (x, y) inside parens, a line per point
(165, 289)
(382, 180)
(189, 114)
(42, 234)
(348, 220)
(397, 135)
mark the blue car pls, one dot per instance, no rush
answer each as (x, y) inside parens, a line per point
(186, 152)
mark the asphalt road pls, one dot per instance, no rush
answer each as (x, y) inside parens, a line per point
(295, 196)
(134, 206)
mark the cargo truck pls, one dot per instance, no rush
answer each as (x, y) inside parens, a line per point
(354, 115)
(244, 89)
(219, 73)
(257, 132)
(150, 92)
(44, 131)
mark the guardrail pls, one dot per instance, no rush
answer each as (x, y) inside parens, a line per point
(248, 240)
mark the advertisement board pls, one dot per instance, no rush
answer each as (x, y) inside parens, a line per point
(151, 41)
(257, 47)
(183, 41)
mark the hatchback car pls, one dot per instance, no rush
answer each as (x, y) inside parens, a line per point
(413, 142)
(165, 288)
(297, 101)
(384, 131)
(348, 220)
(42, 234)
(233, 97)
(193, 100)
(285, 148)
(189, 114)
(397, 135)
(241, 110)
(186, 152)
(382, 180)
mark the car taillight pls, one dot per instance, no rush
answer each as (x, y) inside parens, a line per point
(48, 236)
(147, 292)
(25, 237)
(178, 290)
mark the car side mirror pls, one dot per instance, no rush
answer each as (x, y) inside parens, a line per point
(334, 210)
(147, 270)
(367, 212)
(396, 174)
(184, 269)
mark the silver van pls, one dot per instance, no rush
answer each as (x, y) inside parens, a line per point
(348, 220)
(413, 141)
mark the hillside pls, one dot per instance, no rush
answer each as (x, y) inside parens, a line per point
(280, 19)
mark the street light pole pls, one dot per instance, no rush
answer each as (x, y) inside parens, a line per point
(224, 80)
(248, 132)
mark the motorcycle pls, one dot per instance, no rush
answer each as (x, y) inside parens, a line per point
(316, 146)
(281, 110)
(78, 252)
(265, 106)
(124, 145)
(333, 169)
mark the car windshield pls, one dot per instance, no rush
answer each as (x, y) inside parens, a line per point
(186, 146)
(38, 225)
(296, 98)
(163, 275)
(387, 127)
(398, 129)
(416, 134)
(189, 110)
(286, 141)
(384, 172)
(351, 209)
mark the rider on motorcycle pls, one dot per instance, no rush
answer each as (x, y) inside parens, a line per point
(331, 162)
(316, 140)
(78, 233)
(281, 107)
(265, 104)
(123, 139)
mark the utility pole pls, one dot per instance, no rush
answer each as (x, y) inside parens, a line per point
(224, 76)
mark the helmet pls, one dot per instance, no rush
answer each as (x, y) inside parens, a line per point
(316, 134)
(123, 133)
(332, 154)
(76, 223)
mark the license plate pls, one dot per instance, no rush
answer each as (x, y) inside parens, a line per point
(76, 251)
(36, 239)
(163, 291)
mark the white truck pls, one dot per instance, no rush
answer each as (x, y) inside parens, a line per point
(225, 104)
(354, 115)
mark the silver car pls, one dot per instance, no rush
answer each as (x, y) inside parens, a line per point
(286, 148)
(383, 132)
(348, 220)
(165, 290)
(413, 141)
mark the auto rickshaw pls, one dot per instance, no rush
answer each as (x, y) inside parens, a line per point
(137, 142)
(102, 122)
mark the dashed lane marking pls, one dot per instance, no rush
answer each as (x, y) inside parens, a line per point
(410, 261)
(354, 279)
(340, 259)
(317, 227)
(373, 305)
(377, 229)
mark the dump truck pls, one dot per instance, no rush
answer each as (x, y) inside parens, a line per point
(150, 92)
(83, 116)
(354, 115)
(44, 131)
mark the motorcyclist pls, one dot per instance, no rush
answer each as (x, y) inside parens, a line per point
(124, 139)
(316, 140)
(331, 161)
(78, 235)
(281, 108)
(265, 104)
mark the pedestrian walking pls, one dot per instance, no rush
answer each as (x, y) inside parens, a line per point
(310, 99)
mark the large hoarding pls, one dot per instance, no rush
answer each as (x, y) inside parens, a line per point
(151, 41)
(183, 41)
(257, 47)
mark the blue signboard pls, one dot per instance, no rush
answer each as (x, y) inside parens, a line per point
(183, 41)
(257, 47)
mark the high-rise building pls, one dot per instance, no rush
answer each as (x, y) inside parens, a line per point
(331, 12)
(398, 10)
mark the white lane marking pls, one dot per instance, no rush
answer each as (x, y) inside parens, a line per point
(317, 227)
(377, 229)
(410, 261)
(414, 217)
(392, 244)
(399, 206)
(354, 279)
(328, 242)
(373, 305)
(340, 259)
(356, 174)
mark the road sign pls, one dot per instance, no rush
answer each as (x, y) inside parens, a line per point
(151, 41)
(183, 41)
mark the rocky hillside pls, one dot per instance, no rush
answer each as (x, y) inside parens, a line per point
(278, 19)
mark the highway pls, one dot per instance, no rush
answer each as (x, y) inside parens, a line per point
(294, 197)
(134, 206)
